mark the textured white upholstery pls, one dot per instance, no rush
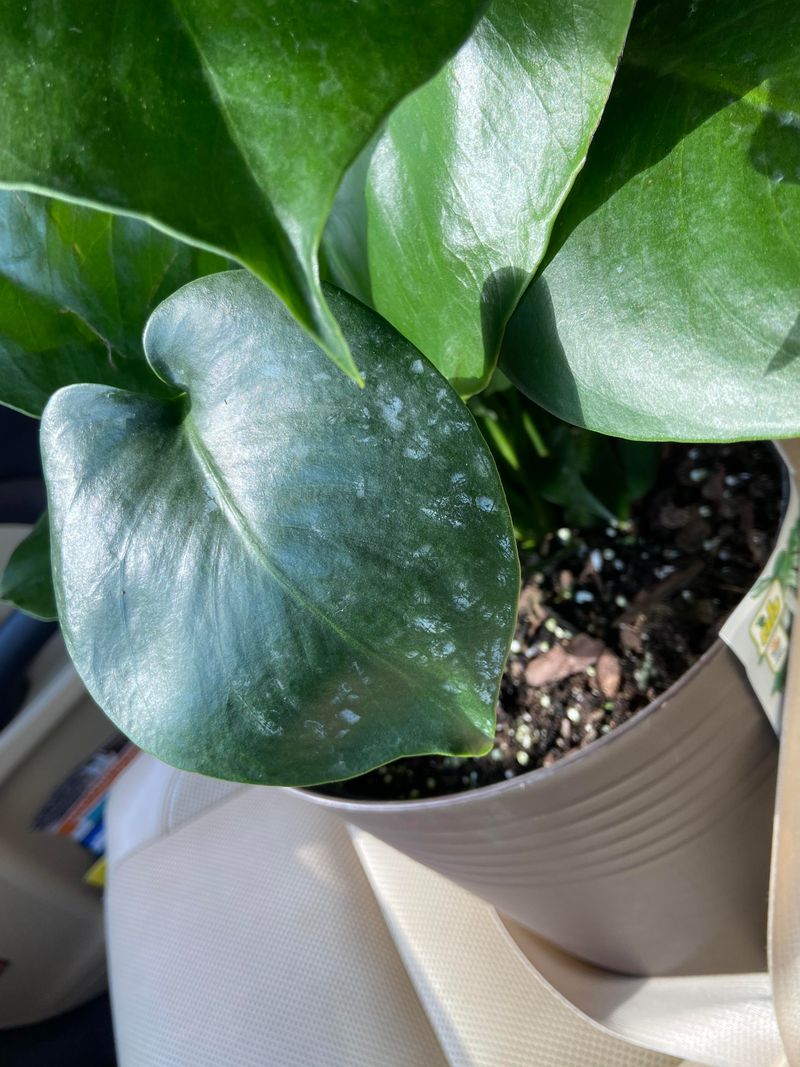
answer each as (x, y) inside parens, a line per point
(151, 800)
(248, 937)
(243, 932)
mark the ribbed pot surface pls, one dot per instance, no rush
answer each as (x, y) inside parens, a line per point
(647, 852)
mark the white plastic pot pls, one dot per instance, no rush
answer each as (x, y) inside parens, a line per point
(645, 853)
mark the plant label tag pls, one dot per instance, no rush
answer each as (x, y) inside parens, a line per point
(767, 619)
(757, 632)
(777, 650)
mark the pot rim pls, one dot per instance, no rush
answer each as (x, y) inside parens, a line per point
(573, 759)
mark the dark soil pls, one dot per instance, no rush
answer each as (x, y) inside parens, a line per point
(610, 617)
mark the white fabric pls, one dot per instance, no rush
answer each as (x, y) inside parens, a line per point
(152, 799)
(242, 931)
(249, 937)
(720, 1021)
(485, 1003)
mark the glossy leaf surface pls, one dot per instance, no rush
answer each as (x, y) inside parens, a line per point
(670, 305)
(26, 581)
(463, 186)
(229, 124)
(278, 578)
(76, 289)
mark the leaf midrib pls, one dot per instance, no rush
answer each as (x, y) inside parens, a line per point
(239, 523)
(218, 96)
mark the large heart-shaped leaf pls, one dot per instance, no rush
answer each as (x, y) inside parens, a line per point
(277, 578)
(463, 186)
(27, 581)
(76, 289)
(228, 123)
(670, 305)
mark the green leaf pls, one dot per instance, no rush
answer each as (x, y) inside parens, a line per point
(277, 578)
(229, 124)
(463, 186)
(26, 582)
(588, 477)
(669, 307)
(76, 288)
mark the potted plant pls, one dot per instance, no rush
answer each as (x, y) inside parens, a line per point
(281, 550)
